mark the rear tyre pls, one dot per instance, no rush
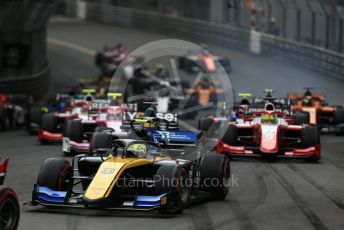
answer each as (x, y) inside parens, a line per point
(35, 117)
(302, 118)
(4, 120)
(172, 179)
(310, 137)
(215, 173)
(55, 174)
(9, 209)
(205, 123)
(103, 128)
(181, 63)
(99, 141)
(73, 130)
(231, 135)
(49, 123)
(338, 116)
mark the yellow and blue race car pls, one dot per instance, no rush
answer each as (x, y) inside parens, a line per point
(134, 174)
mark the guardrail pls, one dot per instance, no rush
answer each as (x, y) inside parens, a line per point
(23, 63)
(35, 85)
(319, 59)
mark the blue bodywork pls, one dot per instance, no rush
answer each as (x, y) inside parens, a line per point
(172, 136)
(49, 195)
(58, 197)
(148, 201)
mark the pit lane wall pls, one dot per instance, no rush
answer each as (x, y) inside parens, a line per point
(24, 68)
(328, 62)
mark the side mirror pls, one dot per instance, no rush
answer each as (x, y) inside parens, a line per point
(101, 152)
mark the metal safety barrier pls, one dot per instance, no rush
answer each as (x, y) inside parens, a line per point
(328, 62)
(34, 85)
(23, 64)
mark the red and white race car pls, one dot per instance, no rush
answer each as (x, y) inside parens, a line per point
(52, 124)
(78, 132)
(268, 133)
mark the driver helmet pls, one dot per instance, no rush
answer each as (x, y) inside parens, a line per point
(150, 112)
(107, 47)
(137, 150)
(308, 94)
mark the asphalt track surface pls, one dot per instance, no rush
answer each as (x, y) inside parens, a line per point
(264, 195)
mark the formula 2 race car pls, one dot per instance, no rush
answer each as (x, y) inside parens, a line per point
(58, 104)
(11, 114)
(53, 124)
(9, 205)
(317, 111)
(78, 132)
(268, 134)
(136, 175)
(193, 61)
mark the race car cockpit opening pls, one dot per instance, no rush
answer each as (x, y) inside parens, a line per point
(269, 107)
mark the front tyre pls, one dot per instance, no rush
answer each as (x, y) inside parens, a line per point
(172, 179)
(215, 173)
(9, 209)
(310, 137)
(302, 118)
(55, 174)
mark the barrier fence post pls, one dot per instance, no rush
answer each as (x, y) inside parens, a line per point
(269, 14)
(327, 23)
(284, 16)
(298, 25)
(340, 38)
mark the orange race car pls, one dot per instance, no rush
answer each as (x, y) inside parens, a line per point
(317, 110)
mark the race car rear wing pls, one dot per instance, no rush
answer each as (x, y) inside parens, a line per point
(127, 125)
(298, 96)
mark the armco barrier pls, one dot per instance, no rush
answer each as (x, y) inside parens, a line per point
(23, 63)
(35, 85)
(319, 59)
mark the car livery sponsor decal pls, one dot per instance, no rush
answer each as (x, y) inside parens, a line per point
(173, 136)
(134, 115)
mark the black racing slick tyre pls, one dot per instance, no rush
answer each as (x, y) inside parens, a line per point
(73, 130)
(9, 209)
(302, 118)
(205, 123)
(103, 128)
(49, 123)
(231, 135)
(172, 179)
(338, 116)
(99, 140)
(4, 120)
(35, 117)
(181, 63)
(55, 173)
(215, 174)
(310, 137)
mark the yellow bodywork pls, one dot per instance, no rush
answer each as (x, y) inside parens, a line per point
(108, 174)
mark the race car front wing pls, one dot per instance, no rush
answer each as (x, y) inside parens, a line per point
(224, 148)
(49, 198)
